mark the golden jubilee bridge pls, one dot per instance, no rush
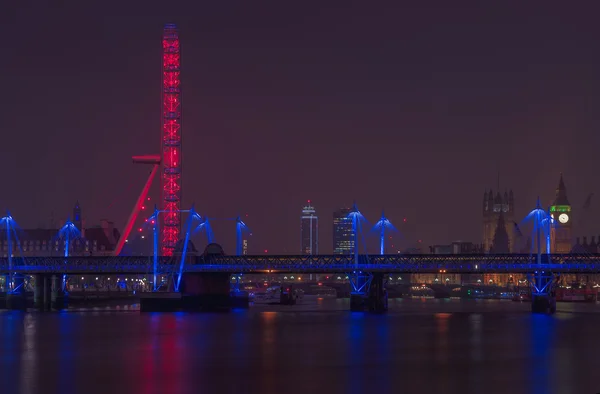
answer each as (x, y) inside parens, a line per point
(394, 263)
(204, 281)
(208, 275)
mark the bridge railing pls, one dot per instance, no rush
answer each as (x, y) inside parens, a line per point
(401, 263)
(514, 263)
(92, 264)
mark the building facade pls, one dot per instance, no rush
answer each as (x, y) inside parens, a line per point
(457, 247)
(94, 241)
(561, 235)
(309, 230)
(583, 247)
(343, 234)
(493, 208)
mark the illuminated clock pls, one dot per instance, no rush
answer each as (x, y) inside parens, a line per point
(563, 218)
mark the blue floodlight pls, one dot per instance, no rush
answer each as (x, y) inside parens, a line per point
(381, 226)
(206, 227)
(68, 232)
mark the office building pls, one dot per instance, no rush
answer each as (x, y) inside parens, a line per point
(343, 234)
(309, 230)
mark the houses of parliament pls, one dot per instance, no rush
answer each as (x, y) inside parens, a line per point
(502, 234)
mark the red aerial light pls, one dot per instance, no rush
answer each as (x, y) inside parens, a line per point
(404, 220)
(266, 251)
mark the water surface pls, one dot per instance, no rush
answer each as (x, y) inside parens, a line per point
(420, 346)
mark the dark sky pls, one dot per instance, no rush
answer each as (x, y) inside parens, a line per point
(411, 108)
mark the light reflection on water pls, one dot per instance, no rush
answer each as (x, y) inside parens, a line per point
(438, 346)
(28, 355)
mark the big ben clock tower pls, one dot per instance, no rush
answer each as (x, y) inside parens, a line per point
(560, 210)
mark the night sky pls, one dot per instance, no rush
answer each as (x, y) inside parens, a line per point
(414, 109)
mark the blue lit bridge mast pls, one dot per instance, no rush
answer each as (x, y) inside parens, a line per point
(368, 291)
(381, 226)
(543, 282)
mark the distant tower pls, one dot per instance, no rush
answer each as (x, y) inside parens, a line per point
(343, 235)
(309, 228)
(501, 241)
(171, 140)
(77, 220)
(493, 206)
(560, 210)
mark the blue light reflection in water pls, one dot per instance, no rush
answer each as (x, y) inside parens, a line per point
(10, 323)
(66, 362)
(542, 332)
(419, 346)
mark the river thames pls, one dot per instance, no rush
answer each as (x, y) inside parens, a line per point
(419, 346)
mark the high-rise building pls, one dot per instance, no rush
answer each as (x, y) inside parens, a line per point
(309, 229)
(562, 232)
(343, 234)
(244, 246)
(493, 209)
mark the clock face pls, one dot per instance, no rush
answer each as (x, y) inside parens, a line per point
(563, 218)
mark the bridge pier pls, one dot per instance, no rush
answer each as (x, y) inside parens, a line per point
(160, 302)
(200, 292)
(48, 293)
(38, 291)
(16, 299)
(206, 291)
(58, 299)
(372, 295)
(543, 292)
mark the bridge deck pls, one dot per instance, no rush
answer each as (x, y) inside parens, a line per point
(516, 263)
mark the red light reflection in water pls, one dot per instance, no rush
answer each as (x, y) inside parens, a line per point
(170, 362)
(442, 321)
(268, 350)
(162, 370)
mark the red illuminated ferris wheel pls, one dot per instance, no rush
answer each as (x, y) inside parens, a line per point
(171, 141)
(169, 162)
